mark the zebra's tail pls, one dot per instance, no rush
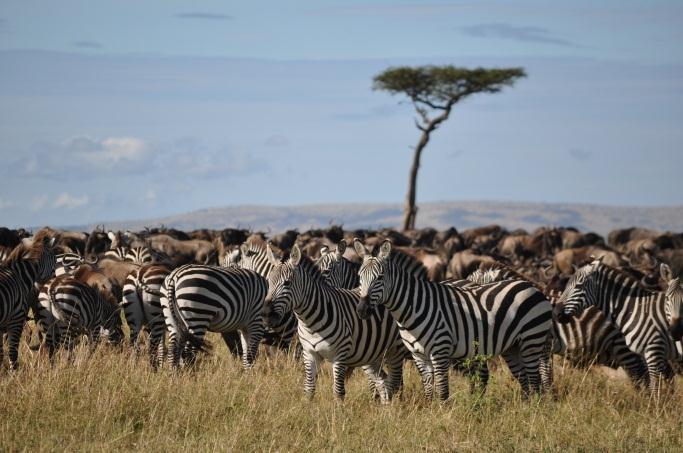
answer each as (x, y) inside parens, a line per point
(184, 334)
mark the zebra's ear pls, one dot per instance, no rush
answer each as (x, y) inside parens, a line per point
(341, 247)
(244, 249)
(111, 235)
(665, 272)
(271, 256)
(359, 247)
(295, 255)
(385, 249)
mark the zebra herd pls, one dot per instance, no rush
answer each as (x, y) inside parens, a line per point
(374, 313)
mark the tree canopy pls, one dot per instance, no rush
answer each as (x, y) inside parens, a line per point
(440, 86)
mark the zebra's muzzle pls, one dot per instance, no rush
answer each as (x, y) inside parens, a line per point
(270, 317)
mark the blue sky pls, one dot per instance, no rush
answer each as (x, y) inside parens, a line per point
(123, 110)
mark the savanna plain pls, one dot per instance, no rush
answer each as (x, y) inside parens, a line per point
(111, 400)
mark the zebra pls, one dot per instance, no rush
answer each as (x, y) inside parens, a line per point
(141, 306)
(438, 322)
(646, 318)
(19, 272)
(585, 340)
(330, 329)
(197, 298)
(68, 308)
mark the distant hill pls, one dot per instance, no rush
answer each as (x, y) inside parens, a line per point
(440, 215)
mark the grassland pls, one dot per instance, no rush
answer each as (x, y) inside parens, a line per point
(111, 401)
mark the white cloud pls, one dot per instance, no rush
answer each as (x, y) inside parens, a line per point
(83, 157)
(68, 201)
(108, 152)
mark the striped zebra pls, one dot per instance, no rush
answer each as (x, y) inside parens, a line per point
(141, 306)
(585, 340)
(439, 323)
(330, 329)
(200, 298)
(646, 318)
(19, 272)
(69, 308)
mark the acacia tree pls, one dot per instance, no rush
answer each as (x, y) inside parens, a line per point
(434, 90)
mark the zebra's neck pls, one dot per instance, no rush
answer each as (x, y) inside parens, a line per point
(619, 296)
(316, 296)
(404, 293)
(25, 272)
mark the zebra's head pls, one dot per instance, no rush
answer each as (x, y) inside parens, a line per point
(674, 302)
(333, 266)
(375, 282)
(578, 294)
(281, 286)
(252, 256)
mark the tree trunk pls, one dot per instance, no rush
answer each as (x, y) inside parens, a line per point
(410, 210)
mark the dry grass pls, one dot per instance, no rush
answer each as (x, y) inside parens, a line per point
(114, 402)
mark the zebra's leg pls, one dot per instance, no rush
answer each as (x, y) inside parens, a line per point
(427, 374)
(339, 374)
(546, 366)
(394, 365)
(531, 355)
(13, 338)
(156, 339)
(517, 369)
(251, 338)
(441, 366)
(377, 380)
(233, 342)
(659, 371)
(311, 369)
